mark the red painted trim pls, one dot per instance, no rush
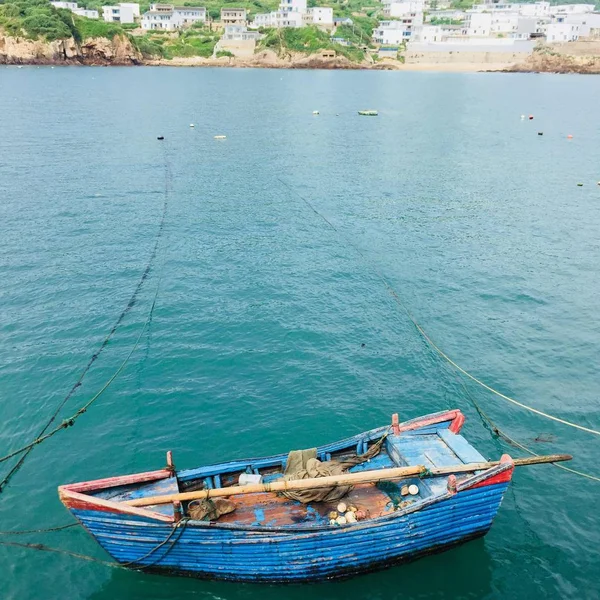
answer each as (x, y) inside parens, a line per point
(457, 423)
(503, 477)
(395, 426)
(77, 501)
(100, 484)
(449, 415)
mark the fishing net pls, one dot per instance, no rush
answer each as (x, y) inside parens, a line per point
(303, 464)
(209, 509)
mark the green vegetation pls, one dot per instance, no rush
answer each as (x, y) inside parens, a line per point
(192, 42)
(309, 40)
(225, 53)
(37, 19)
(445, 21)
(360, 32)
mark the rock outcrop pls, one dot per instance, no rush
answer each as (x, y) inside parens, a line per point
(572, 57)
(94, 51)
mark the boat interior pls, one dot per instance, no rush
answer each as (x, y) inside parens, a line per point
(432, 446)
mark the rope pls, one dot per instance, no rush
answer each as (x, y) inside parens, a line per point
(29, 531)
(71, 420)
(45, 548)
(132, 300)
(179, 527)
(501, 434)
(394, 295)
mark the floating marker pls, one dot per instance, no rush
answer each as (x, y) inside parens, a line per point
(531, 117)
(580, 185)
(160, 137)
(522, 117)
(191, 125)
(315, 112)
(220, 137)
(569, 137)
(540, 133)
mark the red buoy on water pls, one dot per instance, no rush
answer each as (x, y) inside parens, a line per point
(569, 137)
(531, 117)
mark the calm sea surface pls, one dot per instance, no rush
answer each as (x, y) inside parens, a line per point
(270, 331)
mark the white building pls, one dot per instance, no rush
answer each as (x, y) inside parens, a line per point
(589, 23)
(572, 9)
(233, 16)
(319, 15)
(67, 5)
(72, 6)
(121, 13)
(394, 33)
(167, 17)
(88, 13)
(290, 14)
(539, 9)
(265, 20)
(562, 32)
(478, 24)
(427, 33)
(398, 9)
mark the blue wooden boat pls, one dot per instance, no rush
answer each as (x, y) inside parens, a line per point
(270, 538)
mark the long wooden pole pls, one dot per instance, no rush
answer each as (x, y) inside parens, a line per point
(333, 480)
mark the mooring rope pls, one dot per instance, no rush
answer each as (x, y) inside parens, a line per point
(132, 300)
(501, 434)
(396, 297)
(179, 528)
(71, 420)
(47, 530)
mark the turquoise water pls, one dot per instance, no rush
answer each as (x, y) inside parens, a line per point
(270, 331)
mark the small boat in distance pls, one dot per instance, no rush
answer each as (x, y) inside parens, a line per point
(368, 113)
(412, 489)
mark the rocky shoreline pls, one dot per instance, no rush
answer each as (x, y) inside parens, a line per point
(121, 52)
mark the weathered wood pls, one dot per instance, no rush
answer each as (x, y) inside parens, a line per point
(347, 479)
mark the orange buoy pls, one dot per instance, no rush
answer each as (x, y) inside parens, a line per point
(569, 137)
(531, 117)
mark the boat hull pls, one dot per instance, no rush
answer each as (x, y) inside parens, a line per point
(255, 555)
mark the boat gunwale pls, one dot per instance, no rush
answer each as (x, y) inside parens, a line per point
(73, 490)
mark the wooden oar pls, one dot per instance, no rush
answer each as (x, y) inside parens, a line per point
(333, 480)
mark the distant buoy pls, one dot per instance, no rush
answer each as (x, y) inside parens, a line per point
(191, 125)
(531, 117)
(569, 137)
(599, 183)
(540, 133)
(580, 185)
(160, 137)
(315, 112)
(522, 117)
(220, 137)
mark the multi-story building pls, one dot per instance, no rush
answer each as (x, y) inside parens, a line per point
(394, 33)
(562, 32)
(85, 12)
(72, 6)
(289, 14)
(167, 17)
(121, 13)
(318, 15)
(233, 16)
(398, 9)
